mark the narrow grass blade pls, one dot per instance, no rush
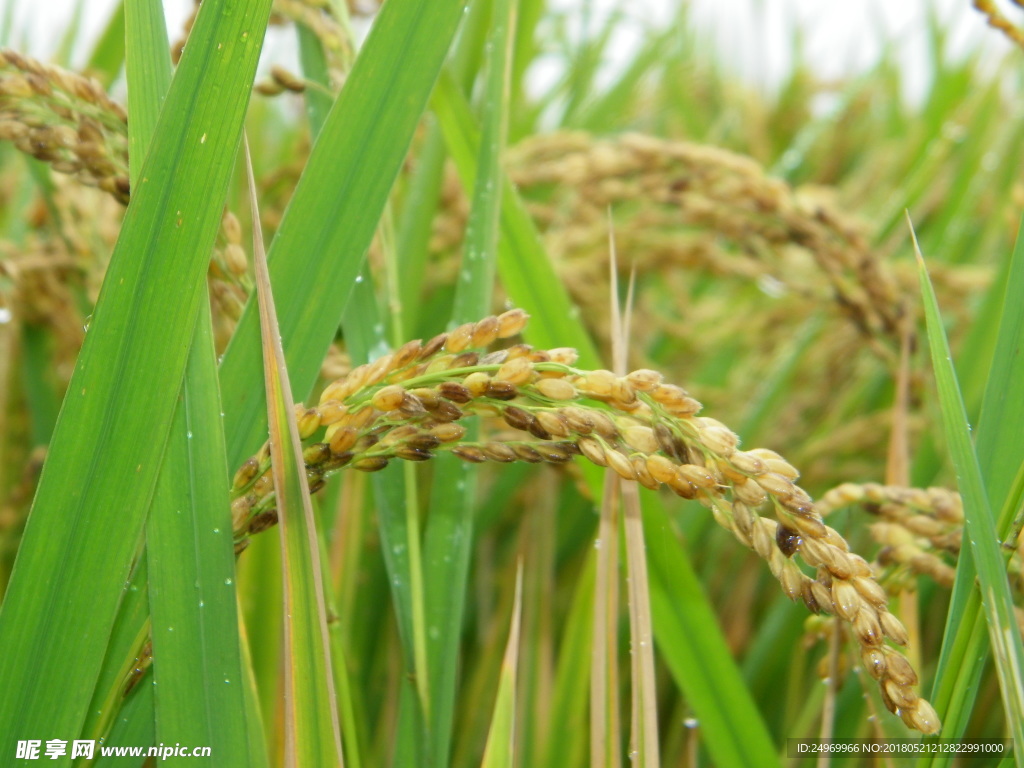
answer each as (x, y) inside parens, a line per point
(148, 68)
(327, 228)
(526, 272)
(567, 744)
(1000, 443)
(449, 539)
(397, 509)
(109, 50)
(196, 654)
(965, 645)
(105, 455)
(998, 446)
(311, 730)
(197, 660)
(340, 668)
(314, 67)
(644, 720)
(475, 285)
(538, 635)
(131, 728)
(697, 654)
(118, 680)
(997, 604)
(605, 717)
(644, 748)
(258, 753)
(262, 631)
(500, 749)
(415, 224)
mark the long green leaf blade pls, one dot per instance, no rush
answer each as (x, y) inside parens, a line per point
(311, 731)
(196, 654)
(449, 541)
(525, 270)
(105, 455)
(965, 647)
(696, 652)
(197, 661)
(327, 228)
(1000, 439)
(500, 749)
(1004, 632)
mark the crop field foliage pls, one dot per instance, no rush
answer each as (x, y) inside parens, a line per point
(386, 408)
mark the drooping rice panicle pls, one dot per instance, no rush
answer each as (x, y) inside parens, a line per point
(998, 20)
(703, 207)
(65, 120)
(408, 405)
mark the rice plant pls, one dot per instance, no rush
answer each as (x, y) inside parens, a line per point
(385, 408)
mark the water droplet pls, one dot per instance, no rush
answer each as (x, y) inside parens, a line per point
(5, 315)
(228, 582)
(771, 286)
(202, 139)
(359, 278)
(216, 530)
(170, 629)
(202, 603)
(226, 680)
(691, 722)
(189, 434)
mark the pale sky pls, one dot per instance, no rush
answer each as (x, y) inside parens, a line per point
(753, 36)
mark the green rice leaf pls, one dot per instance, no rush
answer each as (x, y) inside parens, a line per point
(327, 228)
(124, 664)
(980, 527)
(500, 749)
(197, 661)
(196, 655)
(696, 652)
(148, 67)
(100, 475)
(526, 272)
(965, 644)
(132, 727)
(108, 53)
(449, 539)
(312, 733)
